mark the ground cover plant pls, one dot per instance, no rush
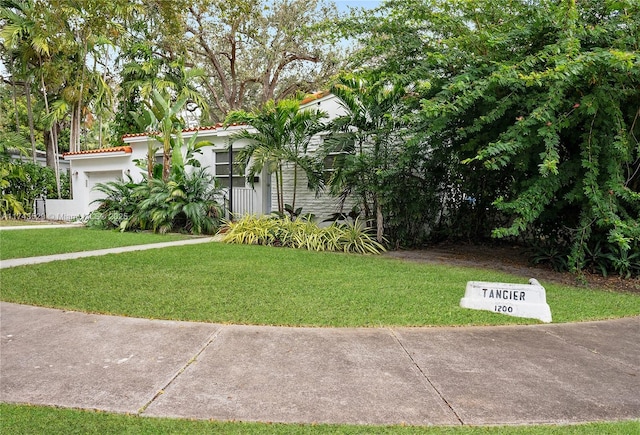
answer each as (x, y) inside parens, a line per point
(49, 241)
(264, 285)
(302, 234)
(40, 419)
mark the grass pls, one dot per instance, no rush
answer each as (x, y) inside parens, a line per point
(47, 241)
(23, 419)
(262, 285)
(23, 222)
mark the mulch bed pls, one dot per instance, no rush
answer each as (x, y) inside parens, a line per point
(512, 259)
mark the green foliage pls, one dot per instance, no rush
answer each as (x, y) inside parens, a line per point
(530, 109)
(185, 202)
(10, 206)
(22, 182)
(600, 257)
(282, 135)
(375, 164)
(302, 234)
(117, 204)
(39, 181)
(625, 262)
(553, 254)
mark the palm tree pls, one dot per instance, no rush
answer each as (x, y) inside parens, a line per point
(367, 134)
(280, 133)
(24, 45)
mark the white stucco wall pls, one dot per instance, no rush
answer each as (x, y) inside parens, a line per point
(89, 169)
(63, 210)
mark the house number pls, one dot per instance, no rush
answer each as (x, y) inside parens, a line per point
(503, 309)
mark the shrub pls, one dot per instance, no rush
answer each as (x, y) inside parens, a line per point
(23, 182)
(601, 257)
(119, 203)
(185, 202)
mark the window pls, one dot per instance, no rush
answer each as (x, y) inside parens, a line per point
(339, 146)
(221, 159)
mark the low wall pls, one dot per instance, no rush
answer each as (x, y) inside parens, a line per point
(60, 209)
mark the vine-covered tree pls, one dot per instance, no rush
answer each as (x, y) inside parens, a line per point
(539, 101)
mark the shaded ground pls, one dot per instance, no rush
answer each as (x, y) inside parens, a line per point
(512, 259)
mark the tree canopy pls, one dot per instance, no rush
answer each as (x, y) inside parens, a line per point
(254, 51)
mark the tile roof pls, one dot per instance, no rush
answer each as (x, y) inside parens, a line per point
(314, 96)
(187, 130)
(125, 149)
(308, 99)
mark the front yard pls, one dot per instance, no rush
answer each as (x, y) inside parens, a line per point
(48, 241)
(260, 285)
(221, 283)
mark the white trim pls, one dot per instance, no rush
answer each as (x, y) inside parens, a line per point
(97, 155)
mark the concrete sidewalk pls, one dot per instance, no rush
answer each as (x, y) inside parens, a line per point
(420, 376)
(41, 226)
(13, 262)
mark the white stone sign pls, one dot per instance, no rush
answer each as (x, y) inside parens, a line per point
(519, 300)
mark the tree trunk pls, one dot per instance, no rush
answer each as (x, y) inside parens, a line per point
(14, 92)
(379, 223)
(100, 131)
(27, 91)
(295, 188)
(279, 180)
(74, 139)
(54, 160)
(48, 143)
(166, 162)
(277, 189)
(150, 160)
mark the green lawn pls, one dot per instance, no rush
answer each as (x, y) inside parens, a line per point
(260, 285)
(47, 241)
(222, 283)
(22, 419)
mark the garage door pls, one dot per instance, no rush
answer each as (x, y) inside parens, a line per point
(96, 177)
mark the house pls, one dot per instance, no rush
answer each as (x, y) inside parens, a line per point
(91, 167)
